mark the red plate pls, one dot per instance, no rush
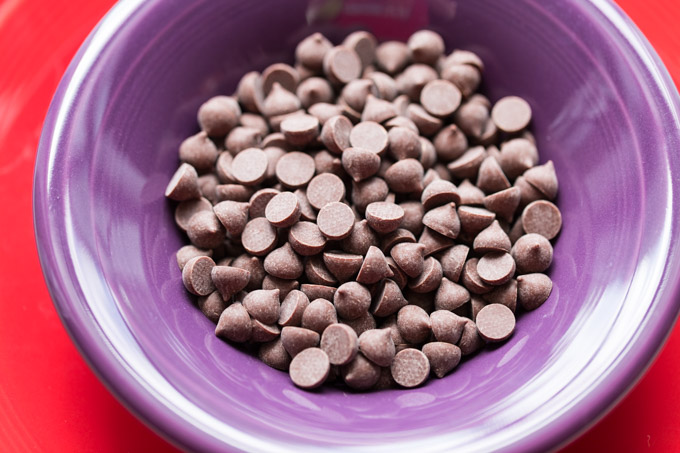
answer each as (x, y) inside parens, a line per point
(49, 399)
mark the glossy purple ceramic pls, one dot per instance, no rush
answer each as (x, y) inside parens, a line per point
(605, 111)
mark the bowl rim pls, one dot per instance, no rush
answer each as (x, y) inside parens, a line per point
(145, 401)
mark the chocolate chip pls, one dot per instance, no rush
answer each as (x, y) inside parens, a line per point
(426, 46)
(258, 202)
(253, 265)
(297, 339)
(364, 44)
(246, 91)
(542, 217)
(370, 136)
(428, 125)
(414, 324)
(185, 210)
(413, 216)
(232, 215)
(306, 238)
(444, 220)
(324, 111)
(335, 134)
(443, 357)
(473, 219)
(517, 156)
(532, 253)
(184, 184)
(368, 191)
(196, 275)
(396, 237)
(434, 242)
(241, 138)
(306, 210)
(466, 77)
(392, 56)
(259, 237)
(414, 78)
(450, 295)
(377, 110)
(342, 265)
(295, 169)
(207, 184)
(284, 263)
(446, 326)
(490, 178)
(360, 163)
(283, 210)
(470, 341)
(314, 292)
(233, 192)
(504, 203)
(234, 324)
(409, 258)
(374, 267)
(274, 355)
(410, 368)
(312, 91)
(318, 315)
(533, 290)
(496, 268)
(386, 86)
(430, 278)
(229, 280)
(280, 101)
(495, 322)
(311, 50)
(452, 261)
(467, 165)
(187, 252)
(428, 155)
(470, 194)
(284, 286)
(340, 342)
(300, 130)
(471, 118)
(505, 294)
(492, 239)
(263, 305)
(335, 220)
(389, 299)
(317, 273)
(471, 280)
(205, 231)
(527, 193)
(199, 152)
(292, 308)
(440, 98)
(360, 373)
(405, 176)
(341, 65)
(280, 73)
(309, 369)
(218, 115)
(354, 94)
(377, 346)
(450, 143)
(511, 114)
(253, 121)
(352, 300)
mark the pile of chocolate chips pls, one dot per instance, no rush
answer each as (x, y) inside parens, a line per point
(365, 216)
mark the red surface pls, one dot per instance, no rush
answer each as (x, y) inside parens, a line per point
(49, 399)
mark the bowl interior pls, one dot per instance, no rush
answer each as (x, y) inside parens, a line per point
(594, 116)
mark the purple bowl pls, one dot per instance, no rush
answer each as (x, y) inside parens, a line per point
(605, 111)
